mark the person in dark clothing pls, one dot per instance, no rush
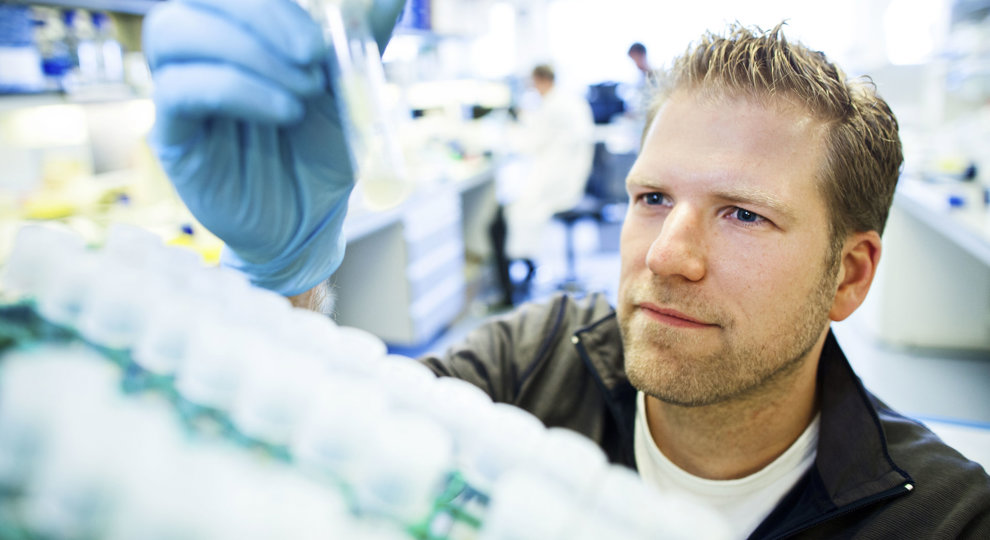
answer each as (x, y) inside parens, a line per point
(637, 52)
(876, 474)
(756, 207)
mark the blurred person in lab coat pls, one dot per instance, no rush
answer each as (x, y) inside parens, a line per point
(637, 52)
(557, 142)
(757, 205)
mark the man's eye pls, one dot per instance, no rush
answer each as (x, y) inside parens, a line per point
(747, 216)
(653, 198)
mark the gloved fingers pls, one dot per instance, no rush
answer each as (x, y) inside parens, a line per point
(181, 33)
(196, 91)
(383, 16)
(282, 24)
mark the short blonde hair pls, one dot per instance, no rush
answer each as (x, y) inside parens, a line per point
(862, 148)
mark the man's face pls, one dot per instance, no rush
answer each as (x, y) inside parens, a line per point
(640, 60)
(726, 276)
(542, 85)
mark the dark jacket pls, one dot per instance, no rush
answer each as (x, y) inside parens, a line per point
(877, 473)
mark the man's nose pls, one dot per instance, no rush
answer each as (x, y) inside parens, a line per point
(679, 249)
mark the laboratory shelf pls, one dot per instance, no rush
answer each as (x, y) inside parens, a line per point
(22, 101)
(97, 94)
(136, 7)
(968, 227)
(932, 289)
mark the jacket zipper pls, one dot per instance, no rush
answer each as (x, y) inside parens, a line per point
(893, 492)
(609, 401)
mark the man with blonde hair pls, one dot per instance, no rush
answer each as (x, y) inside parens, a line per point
(756, 208)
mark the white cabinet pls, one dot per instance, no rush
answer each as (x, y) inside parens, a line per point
(403, 275)
(932, 290)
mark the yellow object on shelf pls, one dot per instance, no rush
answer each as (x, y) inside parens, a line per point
(208, 246)
(48, 208)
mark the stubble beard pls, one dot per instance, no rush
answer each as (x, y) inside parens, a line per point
(683, 367)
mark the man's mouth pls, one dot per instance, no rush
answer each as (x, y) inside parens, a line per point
(673, 317)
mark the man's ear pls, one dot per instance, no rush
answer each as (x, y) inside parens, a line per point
(860, 256)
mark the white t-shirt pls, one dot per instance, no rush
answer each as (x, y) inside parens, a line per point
(745, 502)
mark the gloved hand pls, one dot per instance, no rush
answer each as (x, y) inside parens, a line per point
(249, 133)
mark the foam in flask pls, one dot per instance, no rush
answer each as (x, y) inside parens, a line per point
(358, 80)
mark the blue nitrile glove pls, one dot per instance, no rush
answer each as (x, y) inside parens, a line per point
(249, 134)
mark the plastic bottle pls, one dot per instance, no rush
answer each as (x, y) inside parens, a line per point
(356, 352)
(62, 402)
(527, 507)
(622, 497)
(109, 50)
(211, 372)
(407, 383)
(560, 453)
(335, 432)
(132, 244)
(256, 309)
(498, 444)
(358, 81)
(133, 271)
(56, 61)
(309, 332)
(36, 252)
(88, 50)
(172, 317)
(66, 285)
(21, 71)
(79, 67)
(114, 314)
(408, 460)
(276, 390)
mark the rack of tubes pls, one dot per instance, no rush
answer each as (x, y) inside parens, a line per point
(142, 392)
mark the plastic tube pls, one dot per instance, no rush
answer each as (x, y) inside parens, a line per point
(334, 434)
(276, 390)
(358, 81)
(526, 507)
(560, 453)
(409, 458)
(37, 249)
(498, 444)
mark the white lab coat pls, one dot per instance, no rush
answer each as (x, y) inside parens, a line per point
(557, 140)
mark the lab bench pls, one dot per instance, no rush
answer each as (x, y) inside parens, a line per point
(403, 277)
(932, 289)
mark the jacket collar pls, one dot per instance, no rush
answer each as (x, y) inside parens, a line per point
(853, 462)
